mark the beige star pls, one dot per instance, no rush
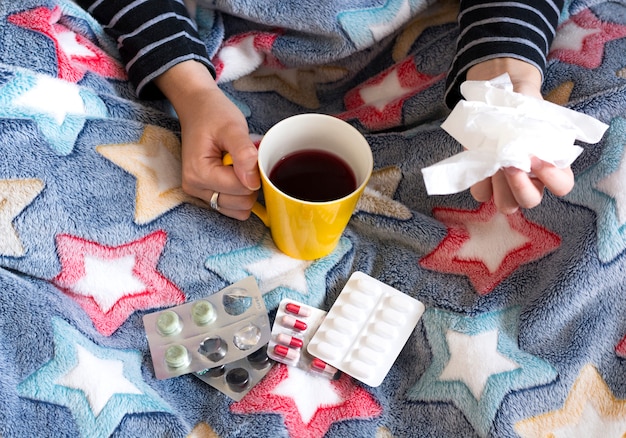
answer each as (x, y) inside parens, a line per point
(377, 197)
(383, 432)
(15, 196)
(591, 409)
(297, 85)
(621, 73)
(561, 94)
(203, 430)
(156, 163)
(441, 12)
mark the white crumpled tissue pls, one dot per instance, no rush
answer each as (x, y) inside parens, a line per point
(500, 128)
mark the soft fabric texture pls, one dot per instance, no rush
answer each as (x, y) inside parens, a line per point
(524, 332)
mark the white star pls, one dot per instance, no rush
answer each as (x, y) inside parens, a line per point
(613, 185)
(242, 54)
(380, 31)
(280, 270)
(164, 167)
(380, 95)
(71, 47)
(53, 96)
(491, 241)
(308, 392)
(571, 36)
(99, 379)
(108, 280)
(591, 423)
(473, 359)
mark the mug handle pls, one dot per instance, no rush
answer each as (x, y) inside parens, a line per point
(259, 210)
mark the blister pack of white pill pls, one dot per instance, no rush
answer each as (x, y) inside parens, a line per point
(366, 328)
(294, 326)
(221, 328)
(236, 379)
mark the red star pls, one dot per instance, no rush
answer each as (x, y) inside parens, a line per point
(355, 403)
(581, 39)
(110, 283)
(487, 246)
(75, 53)
(378, 102)
(620, 349)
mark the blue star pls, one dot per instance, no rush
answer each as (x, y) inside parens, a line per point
(598, 189)
(368, 26)
(565, 12)
(59, 108)
(98, 385)
(476, 363)
(279, 276)
(572, 7)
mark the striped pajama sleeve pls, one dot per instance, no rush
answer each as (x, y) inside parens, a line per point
(152, 36)
(493, 29)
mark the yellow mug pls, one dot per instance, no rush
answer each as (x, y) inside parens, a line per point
(301, 228)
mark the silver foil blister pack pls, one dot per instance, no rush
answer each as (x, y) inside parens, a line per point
(236, 379)
(206, 333)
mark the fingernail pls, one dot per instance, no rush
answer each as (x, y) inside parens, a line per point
(251, 181)
(536, 163)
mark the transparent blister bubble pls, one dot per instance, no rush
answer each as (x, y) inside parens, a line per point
(236, 379)
(366, 328)
(247, 337)
(221, 328)
(294, 325)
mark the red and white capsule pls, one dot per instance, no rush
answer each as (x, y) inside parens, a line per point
(289, 341)
(288, 353)
(322, 367)
(291, 322)
(297, 309)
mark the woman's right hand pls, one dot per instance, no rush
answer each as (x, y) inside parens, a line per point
(212, 125)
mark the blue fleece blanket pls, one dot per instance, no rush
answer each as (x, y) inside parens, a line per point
(525, 322)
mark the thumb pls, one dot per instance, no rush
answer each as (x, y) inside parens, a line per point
(245, 165)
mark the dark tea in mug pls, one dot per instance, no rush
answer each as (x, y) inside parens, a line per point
(313, 175)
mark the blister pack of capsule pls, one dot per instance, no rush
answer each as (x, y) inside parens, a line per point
(236, 379)
(198, 335)
(294, 325)
(366, 328)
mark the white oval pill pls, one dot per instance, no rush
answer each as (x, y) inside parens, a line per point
(336, 338)
(392, 317)
(368, 356)
(376, 343)
(384, 330)
(327, 352)
(360, 300)
(368, 286)
(344, 325)
(400, 303)
(351, 312)
(359, 369)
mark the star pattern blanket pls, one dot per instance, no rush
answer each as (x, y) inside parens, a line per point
(524, 332)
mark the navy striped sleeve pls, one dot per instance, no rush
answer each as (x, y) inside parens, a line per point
(495, 29)
(152, 36)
